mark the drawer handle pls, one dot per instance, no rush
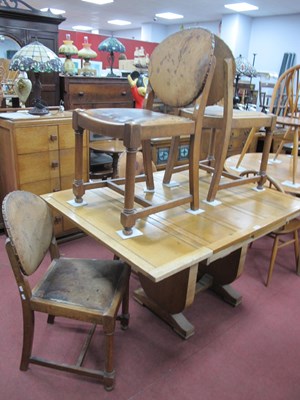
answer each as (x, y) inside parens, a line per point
(53, 138)
(57, 220)
(80, 94)
(54, 164)
(123, 93)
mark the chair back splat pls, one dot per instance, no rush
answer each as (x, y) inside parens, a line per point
(220, 89)
(180, 74)
(285, 104)
(85, 290)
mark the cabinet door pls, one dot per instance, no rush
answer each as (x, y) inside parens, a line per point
(38, 158)
(67, 137)
(39, 168)
(42, 187)
(36, 139)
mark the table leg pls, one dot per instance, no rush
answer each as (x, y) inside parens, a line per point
(177, 321)
(160, 299)
(168, 298)
(224, 271)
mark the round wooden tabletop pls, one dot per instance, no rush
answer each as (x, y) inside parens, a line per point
(280, 170)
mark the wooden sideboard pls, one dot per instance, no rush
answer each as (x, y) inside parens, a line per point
(37, 154)
(161, 147)
(93, 92)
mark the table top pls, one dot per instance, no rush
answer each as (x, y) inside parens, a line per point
(174, 240)
(289, 121)
(240, 119)
(281, 171)
(24, 118)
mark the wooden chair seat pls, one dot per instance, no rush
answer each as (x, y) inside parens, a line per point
(91, 284)
(80, 289)
(180, 73)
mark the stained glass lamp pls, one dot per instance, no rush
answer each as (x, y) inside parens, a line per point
(86, 53)
(111, 45)
(68, 49)
(37, 58)
(243, 68)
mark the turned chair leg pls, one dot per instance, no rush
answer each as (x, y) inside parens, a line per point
(28, 332)
(109, 373)
(124, 317)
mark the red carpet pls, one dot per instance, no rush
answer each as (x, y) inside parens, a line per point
(251, 352)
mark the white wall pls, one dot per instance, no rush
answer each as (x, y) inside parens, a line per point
(235, 31)
(268, 37)
(154, 32)
(212, 26)
(271, 37)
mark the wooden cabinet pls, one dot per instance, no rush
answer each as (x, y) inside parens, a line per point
(93, 92)
(237, 141)
(24, 24)
(161, 150)
(37, 155)
(161, 147)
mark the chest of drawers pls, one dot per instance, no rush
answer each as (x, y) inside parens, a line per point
(37, 155)
(93, 92)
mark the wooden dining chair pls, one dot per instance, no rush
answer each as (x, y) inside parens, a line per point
(85, 290)
(221, 90)
(285, 104)
(180, 74)
(265, 90)
(221, 124)
(283, 236)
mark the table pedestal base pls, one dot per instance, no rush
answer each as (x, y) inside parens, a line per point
(228, 294)
(177, 321)
(168, 304)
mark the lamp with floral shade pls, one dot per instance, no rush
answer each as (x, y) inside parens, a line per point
(40, 59)
(243, 68)
(111, 45)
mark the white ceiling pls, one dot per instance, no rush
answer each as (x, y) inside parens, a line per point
(142, 11)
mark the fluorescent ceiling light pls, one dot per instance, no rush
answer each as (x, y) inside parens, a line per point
(55, 11)
(82, 28)
(100, 2)
(119, 22)
(169, 15)
(241, 7)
